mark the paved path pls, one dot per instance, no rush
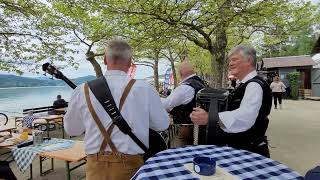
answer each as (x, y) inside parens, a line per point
(294, 132)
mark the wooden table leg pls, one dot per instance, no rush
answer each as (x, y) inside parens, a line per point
(30, 171)
(68, 170)
(48, 129)
(41, 168)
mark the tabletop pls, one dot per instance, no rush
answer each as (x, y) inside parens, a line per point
(10, 143)
(169, 164)
(6, 128)
(73, 154)
(61, 109)
(51, 117)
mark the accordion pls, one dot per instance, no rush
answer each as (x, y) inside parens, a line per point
(213, 101)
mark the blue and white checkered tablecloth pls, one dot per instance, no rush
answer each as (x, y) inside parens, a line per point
(168, 164)
(25, 155)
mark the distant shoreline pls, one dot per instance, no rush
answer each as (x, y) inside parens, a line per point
(21, 87)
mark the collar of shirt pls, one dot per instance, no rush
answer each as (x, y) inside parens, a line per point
(249, 76)
(115, 73)
(187, 78)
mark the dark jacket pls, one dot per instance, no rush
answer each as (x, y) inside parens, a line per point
(255, 136)
(60, 102)
(181, 114)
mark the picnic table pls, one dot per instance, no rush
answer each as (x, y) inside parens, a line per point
(74, 154)
(6, 129)
(51, 118)
(240, 164)
(45, 119)
(61, 110)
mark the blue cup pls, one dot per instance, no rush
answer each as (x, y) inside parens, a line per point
(205, 166)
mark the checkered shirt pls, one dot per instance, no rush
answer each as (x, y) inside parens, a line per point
(25, 155)
(168, 164)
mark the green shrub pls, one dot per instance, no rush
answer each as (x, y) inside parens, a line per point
(294, 78)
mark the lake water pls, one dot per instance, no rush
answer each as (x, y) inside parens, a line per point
(14, 100)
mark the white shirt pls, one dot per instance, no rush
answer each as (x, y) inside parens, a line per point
(141, 110)
(243, 118)
(278, 87)
(183, 94)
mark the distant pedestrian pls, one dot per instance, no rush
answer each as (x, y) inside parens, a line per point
(60, 101)
(277, 88)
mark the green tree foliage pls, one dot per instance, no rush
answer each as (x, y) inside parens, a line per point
(156, 28)
(294, 78)
(26, 39)
(300, 44)
(87, 26)
(216, 26)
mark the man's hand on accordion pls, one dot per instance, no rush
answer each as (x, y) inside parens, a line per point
(199, 116)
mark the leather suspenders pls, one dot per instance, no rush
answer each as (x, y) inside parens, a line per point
(100, 89)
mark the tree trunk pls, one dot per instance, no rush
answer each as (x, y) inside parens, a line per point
(175, 83)
(171, 59)
(96, 66)
(155, 69)
(219, 54)
(217, 66)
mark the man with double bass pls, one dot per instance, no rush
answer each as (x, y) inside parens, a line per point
(112, 154)
(245, 123)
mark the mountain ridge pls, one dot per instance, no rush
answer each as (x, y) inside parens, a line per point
(18, 81)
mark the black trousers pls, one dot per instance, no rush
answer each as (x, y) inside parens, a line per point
(277, 96)
(5, 171)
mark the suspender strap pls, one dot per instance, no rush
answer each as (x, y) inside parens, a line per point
(98, 122)
(122, 100)
(101, 91)
(125, 93)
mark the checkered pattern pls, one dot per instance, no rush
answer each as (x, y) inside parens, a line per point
(24, 156)
(27, 121)
(168, 164)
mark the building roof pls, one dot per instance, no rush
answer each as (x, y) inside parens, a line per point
(289, 61)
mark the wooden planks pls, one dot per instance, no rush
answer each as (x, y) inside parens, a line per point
(73, 154)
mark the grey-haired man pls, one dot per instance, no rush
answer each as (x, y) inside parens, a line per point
(120, 157)
(245, 123)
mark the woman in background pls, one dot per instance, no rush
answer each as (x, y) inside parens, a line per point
(277, 88)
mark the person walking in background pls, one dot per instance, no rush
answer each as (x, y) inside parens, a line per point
(277, 88)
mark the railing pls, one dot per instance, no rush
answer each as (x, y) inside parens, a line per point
(43, 109)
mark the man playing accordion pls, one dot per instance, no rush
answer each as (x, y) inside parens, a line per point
(182, 100)
(244, 124)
